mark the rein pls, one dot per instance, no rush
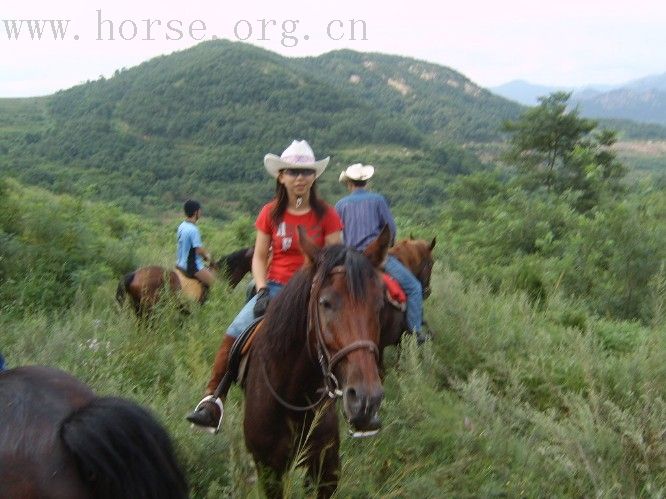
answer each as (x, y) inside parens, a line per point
(327, 362)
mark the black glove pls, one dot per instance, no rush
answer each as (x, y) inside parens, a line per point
(261, 305)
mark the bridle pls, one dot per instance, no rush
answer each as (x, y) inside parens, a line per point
(327, 360)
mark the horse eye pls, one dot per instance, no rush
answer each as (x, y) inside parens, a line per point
(324, 302)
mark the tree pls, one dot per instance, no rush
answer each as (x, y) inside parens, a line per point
(544, 136)
(554, 147)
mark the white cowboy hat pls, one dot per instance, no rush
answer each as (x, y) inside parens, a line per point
(298, 155)
(357, 172)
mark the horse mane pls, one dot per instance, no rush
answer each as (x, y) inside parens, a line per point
(232, 260)
(286, 321)
(121, 451)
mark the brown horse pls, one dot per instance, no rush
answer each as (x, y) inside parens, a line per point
(58, 439)
(317, 341)
(416, 255)
(145, 284)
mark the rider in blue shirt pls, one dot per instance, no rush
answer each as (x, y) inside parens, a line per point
(191, 252)
(364, 214)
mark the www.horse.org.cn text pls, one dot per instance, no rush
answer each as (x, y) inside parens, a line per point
(288, 32)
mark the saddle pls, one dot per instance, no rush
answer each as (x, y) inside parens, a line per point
(189, 286)
(395, 295)
(237, 364)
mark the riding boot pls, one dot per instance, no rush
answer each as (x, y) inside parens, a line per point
(220, 364)
(208, 412)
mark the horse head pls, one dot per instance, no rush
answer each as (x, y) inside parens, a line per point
(235, 265)
(345, 300)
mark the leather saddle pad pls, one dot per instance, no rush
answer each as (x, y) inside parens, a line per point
(241, 350)
(189, 287)
(394, 293)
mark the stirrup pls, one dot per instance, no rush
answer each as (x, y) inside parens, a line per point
(362, 434)
(209, 429)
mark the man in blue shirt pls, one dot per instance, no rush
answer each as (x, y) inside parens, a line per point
(191, 252)
(364, 215)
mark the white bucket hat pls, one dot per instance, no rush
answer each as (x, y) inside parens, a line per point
(298, 155)
(357, 172)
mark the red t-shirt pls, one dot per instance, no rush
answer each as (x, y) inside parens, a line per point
(287, 257)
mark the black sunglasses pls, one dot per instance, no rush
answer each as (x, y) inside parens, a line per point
(295, 172)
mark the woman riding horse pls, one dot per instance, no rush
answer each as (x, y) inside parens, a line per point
(318, 341)
(295, 204)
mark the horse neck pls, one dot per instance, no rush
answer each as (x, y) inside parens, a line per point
(296, 373)
(236, 265)
(412, 264)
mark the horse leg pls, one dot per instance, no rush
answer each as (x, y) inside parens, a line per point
(270, 480)
(324, 459)
(267, 437)
(205, 289)
(136, 303)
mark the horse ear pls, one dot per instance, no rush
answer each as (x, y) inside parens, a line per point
(432, 244)
(308, 247)
(378, 249)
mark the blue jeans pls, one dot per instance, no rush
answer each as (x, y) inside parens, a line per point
(412, 288)
(246, 315)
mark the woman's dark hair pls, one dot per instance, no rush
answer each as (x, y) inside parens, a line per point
(191, 207)
(282, 200)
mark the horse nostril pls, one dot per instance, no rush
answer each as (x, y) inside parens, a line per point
(351, 393)
(376, 399)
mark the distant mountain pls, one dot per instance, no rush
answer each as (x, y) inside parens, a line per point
(642, 100)
(525, 92)
(645, 106)
(652, 82)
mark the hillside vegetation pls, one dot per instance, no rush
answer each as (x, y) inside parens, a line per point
(435, 99)
(197, 123)
(515, 396)
(546, 374)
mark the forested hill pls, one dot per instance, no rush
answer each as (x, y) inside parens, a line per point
(198, 123)
(435, 99)
(218, 93)
(224, 93)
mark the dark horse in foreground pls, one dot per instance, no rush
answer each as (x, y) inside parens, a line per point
(318, 340)
(59, 440)
(145, 284)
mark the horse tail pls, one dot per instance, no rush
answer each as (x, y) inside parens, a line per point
(123, 286)
(120, 450)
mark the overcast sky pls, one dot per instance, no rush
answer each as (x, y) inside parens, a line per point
(565, 42)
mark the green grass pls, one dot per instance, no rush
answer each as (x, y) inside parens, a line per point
(507, 401)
